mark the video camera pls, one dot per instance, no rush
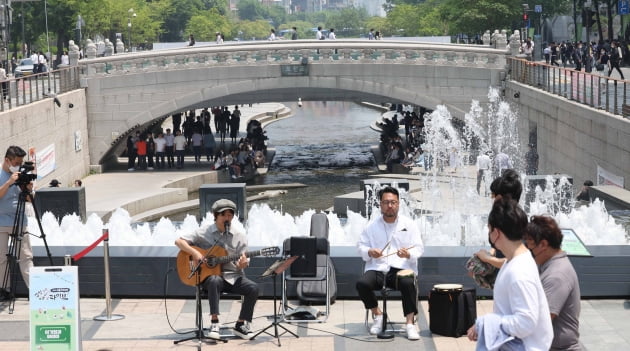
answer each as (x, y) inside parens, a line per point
(25, 177)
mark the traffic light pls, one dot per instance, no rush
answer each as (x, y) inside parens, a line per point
(525, 17)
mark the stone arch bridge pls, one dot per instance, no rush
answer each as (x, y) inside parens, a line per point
(130, 91)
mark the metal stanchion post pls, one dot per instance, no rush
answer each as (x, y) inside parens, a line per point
(108, 295)
(67, 260)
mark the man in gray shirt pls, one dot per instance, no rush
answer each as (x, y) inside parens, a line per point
(212, 241)
(543, 238)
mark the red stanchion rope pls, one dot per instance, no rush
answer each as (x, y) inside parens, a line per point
(85, 251)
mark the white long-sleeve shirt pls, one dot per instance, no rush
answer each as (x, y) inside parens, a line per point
(403, 233)
(521, 302)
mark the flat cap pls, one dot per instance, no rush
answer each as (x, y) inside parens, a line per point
(222, 205)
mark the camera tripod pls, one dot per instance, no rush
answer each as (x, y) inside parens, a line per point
(15, 243)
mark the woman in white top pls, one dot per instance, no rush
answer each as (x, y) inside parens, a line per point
(272, 35)
(64, 59)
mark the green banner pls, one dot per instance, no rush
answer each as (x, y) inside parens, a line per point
(57, 334)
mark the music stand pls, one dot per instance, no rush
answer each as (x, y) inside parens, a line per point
(199, 315)
(276, 268)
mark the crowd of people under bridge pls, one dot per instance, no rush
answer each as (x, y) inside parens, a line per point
(192, 134)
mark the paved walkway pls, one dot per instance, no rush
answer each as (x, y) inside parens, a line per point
(604, 326)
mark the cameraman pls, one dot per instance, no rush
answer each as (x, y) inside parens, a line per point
(9, 196)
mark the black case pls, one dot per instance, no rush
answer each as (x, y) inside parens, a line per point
(452, 312)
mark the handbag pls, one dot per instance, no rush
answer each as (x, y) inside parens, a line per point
(483, 273)
(599, 66)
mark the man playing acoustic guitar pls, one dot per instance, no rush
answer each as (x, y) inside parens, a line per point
(219, 240)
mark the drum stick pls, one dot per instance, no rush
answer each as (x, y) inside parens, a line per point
(393, 253)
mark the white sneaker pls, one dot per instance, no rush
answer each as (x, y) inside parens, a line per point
(377, 325)
(215, 331)
(412, 332)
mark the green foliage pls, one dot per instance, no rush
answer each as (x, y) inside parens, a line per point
(205, 25)
(303, 29)
(347, 22)
(252, 30)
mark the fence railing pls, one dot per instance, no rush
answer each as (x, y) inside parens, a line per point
(593, 89)
(34, 87)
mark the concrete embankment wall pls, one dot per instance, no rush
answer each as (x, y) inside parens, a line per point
(572, 138)
(41, 125)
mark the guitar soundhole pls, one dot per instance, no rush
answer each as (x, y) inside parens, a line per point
(211, 262)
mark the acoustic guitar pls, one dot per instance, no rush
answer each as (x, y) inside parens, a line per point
(215, 257)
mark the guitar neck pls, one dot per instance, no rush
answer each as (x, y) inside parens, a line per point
(230, 258)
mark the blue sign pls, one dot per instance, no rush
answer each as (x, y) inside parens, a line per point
(538, 8)
(623, 7)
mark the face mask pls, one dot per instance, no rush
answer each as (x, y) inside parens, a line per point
(490, 241)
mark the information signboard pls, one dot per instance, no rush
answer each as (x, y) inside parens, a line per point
(55, 322)
(623, 7)
(572, 244)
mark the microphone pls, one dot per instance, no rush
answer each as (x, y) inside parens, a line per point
(227, 226)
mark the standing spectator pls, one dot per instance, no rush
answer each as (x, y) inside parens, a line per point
(14, 64)
(197, 142)
(180, 148)
(578, 57)
(131, 154)
(41, 63)
(528, 49)
(209, 144)
(547, 53)
(160, 150)
(4, 82)
(169, 148)
(35, 61)
(294, 34)
(377, 35)
(150, 151)
(65, 60)
(191, 40)
(141, 149)
(331, 34)
(559, 280)
(554, 53)
(235, 123)
(616, 56)
(520, 306)
(219, 38)
(371, 34)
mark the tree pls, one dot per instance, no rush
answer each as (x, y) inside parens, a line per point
(350, 20)
(474, 17)
(251, 30)
(251, 10)
(205, 25)
(405, 18)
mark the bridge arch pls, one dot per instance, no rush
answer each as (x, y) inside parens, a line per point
(130, 91)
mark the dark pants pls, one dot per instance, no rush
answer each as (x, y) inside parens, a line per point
(169, 156)
(159, 159)
(615, 65)
(180, 158)
(373, 280)
(131, 159)
(215, 285)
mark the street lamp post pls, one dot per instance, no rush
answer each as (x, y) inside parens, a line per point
(131, 14)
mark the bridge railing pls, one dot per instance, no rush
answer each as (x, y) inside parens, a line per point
(298, 52)
(592, 89)
(20, 91)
